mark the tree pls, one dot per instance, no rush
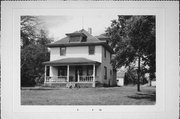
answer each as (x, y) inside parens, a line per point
(133, 39)
(33, 50)
(29, 28)
(32, 57)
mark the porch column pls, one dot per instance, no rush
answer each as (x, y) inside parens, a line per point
(67, 73)
(94, 75)
(78, 75)
(45, 75)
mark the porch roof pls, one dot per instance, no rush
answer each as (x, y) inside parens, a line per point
(67, 61)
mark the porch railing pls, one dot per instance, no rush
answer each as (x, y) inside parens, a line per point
(56, 79)
(85, 79)
(59, 79)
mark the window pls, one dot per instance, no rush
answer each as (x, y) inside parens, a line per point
(75, 39)
(62, 71)
(91, 50)
(89, 70)
(105, 73)
(104, 52)
(62, 51)
(47, 70)
(80, 70)
(110, 58)
(111, 72)
(84, 39)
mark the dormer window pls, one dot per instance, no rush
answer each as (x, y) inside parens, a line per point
(77, 37)
(83, 39)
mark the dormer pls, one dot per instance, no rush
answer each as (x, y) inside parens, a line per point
(77, 37)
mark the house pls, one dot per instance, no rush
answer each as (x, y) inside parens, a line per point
(120, 78)
(80, 59)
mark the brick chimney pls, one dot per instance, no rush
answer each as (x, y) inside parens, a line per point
(90, 31)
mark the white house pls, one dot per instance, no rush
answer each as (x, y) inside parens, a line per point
(80, 59)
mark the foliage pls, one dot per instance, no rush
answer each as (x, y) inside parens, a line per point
(29, 30)
(131, 76)
(142, 33)
(133, 38)
(33, 51)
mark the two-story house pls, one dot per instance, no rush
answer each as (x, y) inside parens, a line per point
(80, 58)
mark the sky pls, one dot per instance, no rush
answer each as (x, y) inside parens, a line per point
(58, 26)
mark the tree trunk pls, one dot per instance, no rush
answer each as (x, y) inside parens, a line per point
(150, 84)
(138, 81)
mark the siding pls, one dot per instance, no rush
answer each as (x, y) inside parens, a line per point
(81, 51)
(106, 62)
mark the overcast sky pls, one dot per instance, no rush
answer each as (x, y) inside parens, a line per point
(58, 26)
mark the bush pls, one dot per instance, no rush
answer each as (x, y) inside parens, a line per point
(39, 80)
(32, 69)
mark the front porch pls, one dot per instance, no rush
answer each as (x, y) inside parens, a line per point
(72, 71)
(71, 74)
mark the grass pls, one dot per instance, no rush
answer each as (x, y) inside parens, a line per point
(126, 95)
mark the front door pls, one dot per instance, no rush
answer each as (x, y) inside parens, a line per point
(78, 71)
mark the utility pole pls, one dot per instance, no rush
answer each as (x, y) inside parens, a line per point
(138, 81)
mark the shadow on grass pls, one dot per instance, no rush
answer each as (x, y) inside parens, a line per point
(40, 89)
(149, 96)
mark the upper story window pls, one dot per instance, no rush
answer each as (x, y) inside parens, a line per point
(91, 50)
(62, 51)
(104, 52)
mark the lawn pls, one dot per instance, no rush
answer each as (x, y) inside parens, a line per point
(126, 95)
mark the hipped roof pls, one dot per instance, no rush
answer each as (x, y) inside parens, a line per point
(67, 61)
(90, 40)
